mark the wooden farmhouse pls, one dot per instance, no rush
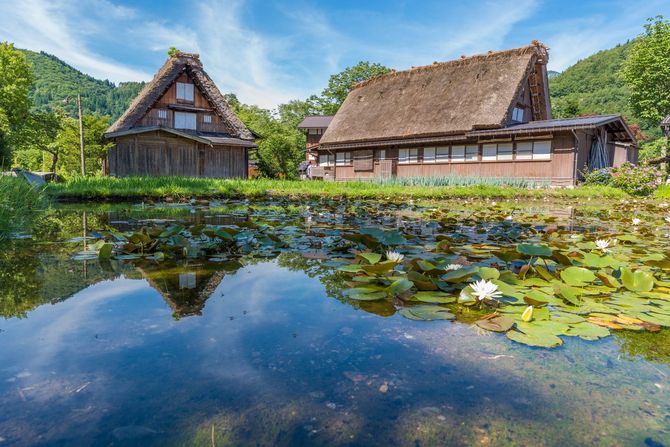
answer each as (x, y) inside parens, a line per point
(486, 115)
(179, 124)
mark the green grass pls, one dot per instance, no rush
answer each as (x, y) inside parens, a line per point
(133, 188)
(663, 192)
(19, 204)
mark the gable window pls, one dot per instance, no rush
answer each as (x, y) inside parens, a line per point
(326, 159)
(457, 154)
(162, 114)
(429, 155)
(184, 120)
(184, 91)
(406, 156)
(517, 114)
(472, 152)
(344, 159)
(533, 150)
(207, 119)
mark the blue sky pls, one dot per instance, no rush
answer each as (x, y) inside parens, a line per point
(268, 52)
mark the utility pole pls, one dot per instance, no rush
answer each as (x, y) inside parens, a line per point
(81, 137)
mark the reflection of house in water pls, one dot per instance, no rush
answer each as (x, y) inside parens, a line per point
(185, 287)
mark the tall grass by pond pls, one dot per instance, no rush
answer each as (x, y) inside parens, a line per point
(111, 188)
(19, 204)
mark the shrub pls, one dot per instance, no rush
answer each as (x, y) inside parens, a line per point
(597, 176)
(636, 180)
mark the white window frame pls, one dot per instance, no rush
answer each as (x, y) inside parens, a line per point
(489, 152)
(518, 114)
(326, 160)
(185, 120)
(185, 91)
(472, 152)
(458, 154)
(343, 159)
(505, 151)
(442, 154)
(162, 114)
(207, 119)
(429, 155)
(542, 150)
(408, 156)
(524, 150)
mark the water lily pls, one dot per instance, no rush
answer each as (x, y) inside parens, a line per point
(508, 218)
(603, 244)
(667, 219)
(453, 267)
(394, 256)
(636, 221)
(485, 290)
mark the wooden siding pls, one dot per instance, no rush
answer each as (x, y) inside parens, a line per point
(156, 154)
(170, 104)
(559, 170)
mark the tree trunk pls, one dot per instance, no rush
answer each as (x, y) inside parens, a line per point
(54, 160)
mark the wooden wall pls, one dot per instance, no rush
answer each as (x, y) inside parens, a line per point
(160, 155)
(170, 99)
(559, 169)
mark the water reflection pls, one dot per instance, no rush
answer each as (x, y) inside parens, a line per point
(268, 357)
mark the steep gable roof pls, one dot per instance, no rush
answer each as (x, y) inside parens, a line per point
(168, 73)
(444, 98)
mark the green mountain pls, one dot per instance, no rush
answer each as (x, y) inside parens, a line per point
(592, 86)
(55, 81)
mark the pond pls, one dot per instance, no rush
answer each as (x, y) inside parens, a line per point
(261, 335)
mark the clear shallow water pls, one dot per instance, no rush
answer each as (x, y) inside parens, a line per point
(264, 353)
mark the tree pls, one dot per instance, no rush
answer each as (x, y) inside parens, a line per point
(340, 84)
(279, 156)
(647, 72)
(40, 135)
(15, 81)
(95, 145)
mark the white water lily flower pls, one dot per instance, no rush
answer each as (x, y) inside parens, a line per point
(453, 267)
(636, 221)
(508, 218)
(394, 256)
(485, 290)
(603, 244)
(667, 219)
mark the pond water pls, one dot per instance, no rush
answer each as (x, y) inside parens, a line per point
(261, 347)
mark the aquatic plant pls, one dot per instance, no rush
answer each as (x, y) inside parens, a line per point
(19, 205)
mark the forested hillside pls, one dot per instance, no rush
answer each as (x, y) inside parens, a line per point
(592, 85)
(54, 80)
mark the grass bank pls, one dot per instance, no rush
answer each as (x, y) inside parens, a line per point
(154, 188)
(19, 204)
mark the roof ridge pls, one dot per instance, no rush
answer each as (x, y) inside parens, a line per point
(535, 46)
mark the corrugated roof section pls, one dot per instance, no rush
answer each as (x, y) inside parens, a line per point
(315, 122)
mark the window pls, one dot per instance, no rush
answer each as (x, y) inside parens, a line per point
(517, 114)
(184, 120)
(472, 152)
(533, 150)
(207, 119)
(457, 154)
(326, 159)
(406, 156)
(184, 91)
(315, 131)
(524, 150)
(162, 114)
(429, 155)
(381, 154)
(505, 151)
(489, 152)
(343, 158)
(442, 154)
(541, 150)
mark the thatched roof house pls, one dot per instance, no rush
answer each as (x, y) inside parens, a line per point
(180, 124)
(429, 121)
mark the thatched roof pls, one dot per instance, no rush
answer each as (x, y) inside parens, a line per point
(444, 98)
(168, 73)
